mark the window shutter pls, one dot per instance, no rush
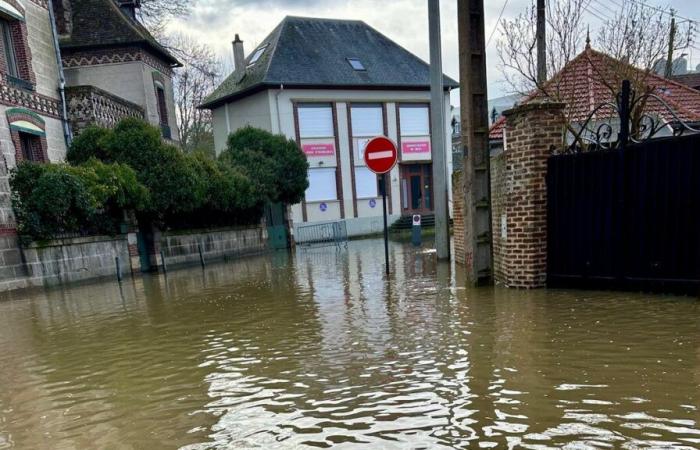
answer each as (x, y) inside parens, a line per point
(315, 121)
(365, 183)
(321, 185)
(367, 120)
(415, 120)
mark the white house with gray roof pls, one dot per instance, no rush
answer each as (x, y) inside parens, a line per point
(331, 85)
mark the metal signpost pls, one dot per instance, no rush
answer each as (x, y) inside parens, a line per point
(380, 157)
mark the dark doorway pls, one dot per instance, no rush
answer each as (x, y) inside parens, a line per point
(416, 189)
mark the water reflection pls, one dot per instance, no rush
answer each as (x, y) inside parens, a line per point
(319, 349)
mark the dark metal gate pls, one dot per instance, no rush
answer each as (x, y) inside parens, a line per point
(626, 216)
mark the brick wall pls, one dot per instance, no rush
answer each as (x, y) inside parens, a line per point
(458, 217)
(519, 216)
(498, 179)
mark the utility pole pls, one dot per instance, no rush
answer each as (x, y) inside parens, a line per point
(541, 44)
(669, 59)
(475, 144)
(437, 117)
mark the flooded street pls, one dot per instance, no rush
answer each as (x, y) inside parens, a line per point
(317, 349)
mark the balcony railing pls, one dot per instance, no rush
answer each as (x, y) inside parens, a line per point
(18, 82)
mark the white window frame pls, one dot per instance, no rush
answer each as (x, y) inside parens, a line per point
(315, 120)
(409, 120)
(366, 185)
(322, 185)
(362, 114)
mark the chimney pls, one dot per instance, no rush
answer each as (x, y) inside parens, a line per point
(130, 7)
(238, 57)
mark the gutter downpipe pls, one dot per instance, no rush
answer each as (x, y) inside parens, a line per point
(277, 103)
(67, 135)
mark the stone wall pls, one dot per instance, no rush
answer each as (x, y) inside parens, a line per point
(181, 248)
(61, 261)
(88, 105)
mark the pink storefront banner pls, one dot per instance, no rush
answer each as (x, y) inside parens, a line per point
(318, 149)
(415, 147)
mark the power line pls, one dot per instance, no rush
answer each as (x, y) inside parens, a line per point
(655, 8)
(505, 3)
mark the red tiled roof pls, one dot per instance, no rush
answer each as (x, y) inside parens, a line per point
(583, 85)
(689, 79)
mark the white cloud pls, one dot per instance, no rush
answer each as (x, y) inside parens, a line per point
(405, 21)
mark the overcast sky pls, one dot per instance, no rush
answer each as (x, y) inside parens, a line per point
(405, 21)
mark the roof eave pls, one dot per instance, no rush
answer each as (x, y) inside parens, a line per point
(355, 87)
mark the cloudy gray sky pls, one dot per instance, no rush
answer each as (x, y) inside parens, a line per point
(215, 21)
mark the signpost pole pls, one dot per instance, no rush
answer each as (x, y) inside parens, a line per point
(386, 230)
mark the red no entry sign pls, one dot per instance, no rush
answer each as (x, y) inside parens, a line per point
(380, 154)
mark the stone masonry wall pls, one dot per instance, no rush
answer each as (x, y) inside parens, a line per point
(533, 131)
(183, 248)
(60, 261)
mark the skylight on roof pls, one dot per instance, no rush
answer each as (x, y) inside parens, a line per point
(256, 55)
(356, 64)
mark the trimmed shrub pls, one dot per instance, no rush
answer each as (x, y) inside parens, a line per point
(91, 143)
(276, 165)
(54, 199)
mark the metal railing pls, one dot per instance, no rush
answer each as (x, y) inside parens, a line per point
(331, 233)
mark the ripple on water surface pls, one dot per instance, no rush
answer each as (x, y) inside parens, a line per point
(317, 349)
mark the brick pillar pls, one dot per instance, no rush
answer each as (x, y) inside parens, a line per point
(519, 194)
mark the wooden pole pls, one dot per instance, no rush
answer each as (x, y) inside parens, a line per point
(541, 44)
(669, 57)
(475, 141)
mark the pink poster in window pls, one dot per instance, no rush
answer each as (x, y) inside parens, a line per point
(415, 147)
(318, 149)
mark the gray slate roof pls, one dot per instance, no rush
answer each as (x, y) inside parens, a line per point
(310, 53)
(102, 24)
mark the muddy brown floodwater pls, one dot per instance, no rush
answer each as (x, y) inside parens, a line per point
(317, 349)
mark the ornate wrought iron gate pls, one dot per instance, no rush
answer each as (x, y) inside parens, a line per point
(626, 215)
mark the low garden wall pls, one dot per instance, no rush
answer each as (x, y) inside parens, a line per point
(61, 261)
(43, 264)
(183, 247)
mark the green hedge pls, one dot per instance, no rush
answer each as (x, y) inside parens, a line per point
(130, 167)
(54, 199)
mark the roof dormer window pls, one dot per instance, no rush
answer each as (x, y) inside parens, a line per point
(257, 54)
(356, 64)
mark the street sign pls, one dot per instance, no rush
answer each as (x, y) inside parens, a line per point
(380, 155)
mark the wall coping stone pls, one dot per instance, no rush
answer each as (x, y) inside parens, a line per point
(210, 230)
(534, 106)
(74, 241)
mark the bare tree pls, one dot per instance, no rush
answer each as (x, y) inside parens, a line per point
(155, 14)
(517, 47)
(637, 36)
(200, 73)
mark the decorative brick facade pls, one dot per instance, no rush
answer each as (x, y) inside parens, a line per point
(519, 194)
(113, 56)
(88, 105)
